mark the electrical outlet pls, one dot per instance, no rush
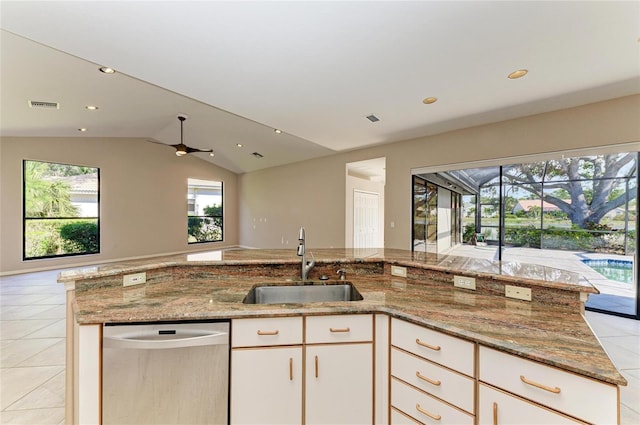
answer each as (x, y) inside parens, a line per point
(517, 292)
(464, 282)
(398, 271)
(134, 279)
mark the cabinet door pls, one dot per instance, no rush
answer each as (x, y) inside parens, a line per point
(500, 408)
(266, 386)
(339, 385)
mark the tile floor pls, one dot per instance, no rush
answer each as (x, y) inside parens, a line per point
(32, 344)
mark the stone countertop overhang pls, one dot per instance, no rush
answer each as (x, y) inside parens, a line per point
(552, 334)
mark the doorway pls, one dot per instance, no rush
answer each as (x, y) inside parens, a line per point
(364, 215)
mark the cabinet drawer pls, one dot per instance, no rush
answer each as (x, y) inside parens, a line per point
(436, 380)
(499, 408)
(339, 328)
(425, 408)
(454, 353)
(266, 331)
(578, 396)
(400, 418)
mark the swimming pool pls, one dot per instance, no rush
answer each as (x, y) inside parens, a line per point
(618, 270)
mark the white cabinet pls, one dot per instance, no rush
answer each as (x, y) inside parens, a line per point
(339, 386)
(432, 376)
(266, 371)
(268, 374)
(266, 386)
(575, 395)
(497, 407)
(339, 369)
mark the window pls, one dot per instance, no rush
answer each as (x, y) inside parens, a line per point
(61, 210)
(204, 211)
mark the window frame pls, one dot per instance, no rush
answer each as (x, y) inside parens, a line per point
(220, 217)
(25, 218)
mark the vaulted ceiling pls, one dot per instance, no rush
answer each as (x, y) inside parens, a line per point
(314, 70)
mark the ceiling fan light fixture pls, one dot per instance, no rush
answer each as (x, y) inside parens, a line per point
(181, 148)
(181, 151)
(518, 74)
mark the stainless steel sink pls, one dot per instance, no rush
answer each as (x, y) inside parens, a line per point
(298, 294)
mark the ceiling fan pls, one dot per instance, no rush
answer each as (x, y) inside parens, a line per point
(181, 148)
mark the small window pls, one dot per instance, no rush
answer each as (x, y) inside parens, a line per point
(204, 211)
(61, 210)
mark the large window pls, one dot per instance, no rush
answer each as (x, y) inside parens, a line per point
(60, 210)
(204, 211)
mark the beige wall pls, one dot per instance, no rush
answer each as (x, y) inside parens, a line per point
(143, 197)
(275, 202)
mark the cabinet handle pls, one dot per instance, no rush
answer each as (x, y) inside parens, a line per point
(424, 378)
(290, 368)
(554, 390)
(316, 362)
(424, 412)
(268, 332)
(340, 329)
(495, 413)
(424, 344)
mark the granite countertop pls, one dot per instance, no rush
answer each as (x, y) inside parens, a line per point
(550, 334)
(532, 274)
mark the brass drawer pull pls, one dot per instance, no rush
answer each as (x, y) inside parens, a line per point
(316, 362)
(495, 413)
(290, 368)
(554, 390)
(424, 412)
(424, 378)
(340, 329)
(268, 332)
(424, 344)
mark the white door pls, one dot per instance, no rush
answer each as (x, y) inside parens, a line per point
(266, 386)
(366, 220)
(339, 384)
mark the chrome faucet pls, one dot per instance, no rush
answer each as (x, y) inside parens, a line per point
(302, 252)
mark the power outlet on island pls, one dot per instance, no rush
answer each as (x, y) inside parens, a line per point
(464, 282)
(134, 279)
(398, 271)
(517, 292)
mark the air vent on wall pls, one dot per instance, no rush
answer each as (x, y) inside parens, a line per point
(43, 105)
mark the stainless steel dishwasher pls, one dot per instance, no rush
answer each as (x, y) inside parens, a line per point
(171, 373)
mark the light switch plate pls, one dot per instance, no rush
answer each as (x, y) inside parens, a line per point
(398, 271)
(517, 292)
(465, 282)
(134, 279)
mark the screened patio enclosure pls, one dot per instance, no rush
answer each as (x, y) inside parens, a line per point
(577, 213)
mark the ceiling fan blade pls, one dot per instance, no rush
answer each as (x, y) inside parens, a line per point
(191, 150)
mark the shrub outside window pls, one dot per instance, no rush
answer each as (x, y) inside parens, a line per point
(204, 211)
(61, 210)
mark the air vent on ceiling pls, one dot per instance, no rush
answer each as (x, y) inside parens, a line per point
(257, 155)
(372, 118)
(43, 105)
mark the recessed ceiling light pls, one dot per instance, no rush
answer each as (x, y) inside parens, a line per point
(239, 145)
(82, 129)
(429, 100)
(212, 154)
(107, 70)
(92, 107)
(277, 131)
(257, 155)
(518, 74)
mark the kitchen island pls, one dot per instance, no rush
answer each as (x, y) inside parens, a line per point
(396, 285)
